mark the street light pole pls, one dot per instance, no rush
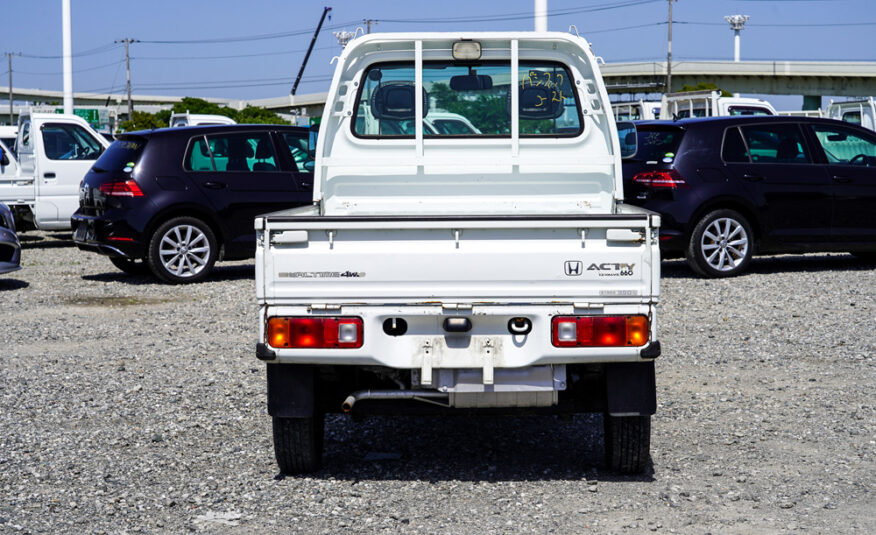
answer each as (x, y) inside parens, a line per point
(9, 57)
(737, 23)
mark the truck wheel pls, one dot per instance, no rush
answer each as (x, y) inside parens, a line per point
(182, 250)
(721, 244)
(627, 443)
(298, 443)
(129, 266)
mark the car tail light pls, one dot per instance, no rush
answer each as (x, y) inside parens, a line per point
(599, 331)
(315, 332)
(661, 179)
(128, 188)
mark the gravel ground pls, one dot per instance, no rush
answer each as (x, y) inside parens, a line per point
(128, 406)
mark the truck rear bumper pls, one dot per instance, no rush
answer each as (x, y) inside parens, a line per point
(299, 391)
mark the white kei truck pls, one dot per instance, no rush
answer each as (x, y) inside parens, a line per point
(710, 104)
(488, 271)
(40, 183)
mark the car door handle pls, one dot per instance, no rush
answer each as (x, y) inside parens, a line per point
(752, 178)
(215, 185)
(306, 184)
(841, 179)
(48, 175)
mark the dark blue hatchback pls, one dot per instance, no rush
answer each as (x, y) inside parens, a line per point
(732, 187)
(174, 201)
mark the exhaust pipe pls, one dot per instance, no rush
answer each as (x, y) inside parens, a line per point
(420, 395)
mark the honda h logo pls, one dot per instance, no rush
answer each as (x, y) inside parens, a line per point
(574, 268)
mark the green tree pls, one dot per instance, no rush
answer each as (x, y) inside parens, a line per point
(257, 115)
(199, 105)
(141, 120)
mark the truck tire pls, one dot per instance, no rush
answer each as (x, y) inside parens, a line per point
(298, 443)
(721, 244)
(182, 250)
(129, 266)
(627, 443)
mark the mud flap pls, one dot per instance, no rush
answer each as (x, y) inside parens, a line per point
(630, 389)
(290, 390)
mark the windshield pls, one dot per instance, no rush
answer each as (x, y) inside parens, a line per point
(465, 100)
(656, 142)
(121, 154)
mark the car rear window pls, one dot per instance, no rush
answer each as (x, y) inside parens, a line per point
(656, 142)
(121, 153)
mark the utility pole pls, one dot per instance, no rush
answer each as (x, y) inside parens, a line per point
(669, 53)
(9, 57)
(127, 41)
(368, 23)
(325, 12)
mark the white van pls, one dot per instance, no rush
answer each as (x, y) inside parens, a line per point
(40, 183)
(194, 119)
(710, 104)
(859, 111)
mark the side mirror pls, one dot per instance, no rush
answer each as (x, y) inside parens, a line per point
(4, 160)
(309, 165)
(626, 133)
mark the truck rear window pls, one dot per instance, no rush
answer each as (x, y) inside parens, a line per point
(467, 101)
(121, 153)
(654, 143)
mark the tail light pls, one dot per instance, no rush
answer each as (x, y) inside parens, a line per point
(661, 179)
(599, 331)
(128, 188)
(315, 332)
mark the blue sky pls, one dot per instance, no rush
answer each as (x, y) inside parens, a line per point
(253, 49)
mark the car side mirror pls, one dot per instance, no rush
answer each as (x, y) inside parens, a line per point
(626, 133)
(309, 166)
(4, 160)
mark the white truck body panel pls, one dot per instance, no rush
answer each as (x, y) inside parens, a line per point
(643, 110)
(45, 186)
(710, 104)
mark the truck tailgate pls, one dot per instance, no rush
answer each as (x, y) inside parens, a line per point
(416, 259)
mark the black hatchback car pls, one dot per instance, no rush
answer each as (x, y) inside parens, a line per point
(174, 201)
(730, 187)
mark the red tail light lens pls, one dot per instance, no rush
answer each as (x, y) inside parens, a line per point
(661, 179)
(315, 332)
(128, 188)
(599, 331)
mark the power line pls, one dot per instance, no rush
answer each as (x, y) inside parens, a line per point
(55, 73)
(97, 50)
(258, 54)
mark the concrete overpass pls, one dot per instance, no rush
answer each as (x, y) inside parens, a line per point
(811, 79)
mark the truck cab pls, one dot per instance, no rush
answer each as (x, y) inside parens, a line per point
(493, 268)
(198, 119)
(41, 182)
(857, 111)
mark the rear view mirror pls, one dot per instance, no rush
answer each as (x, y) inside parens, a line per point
(836, 137)
(471, 82)
(538, 103)
(626, 133)
(395, 101)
